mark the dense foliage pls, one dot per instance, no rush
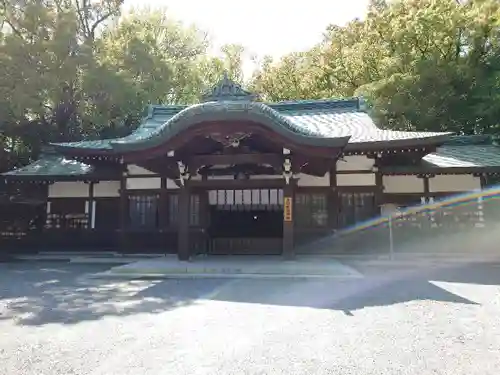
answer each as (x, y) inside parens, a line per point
(422, 64)
(81, 69)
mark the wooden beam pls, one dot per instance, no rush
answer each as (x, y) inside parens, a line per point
(195, 162)
(238, 184)
(252, 170)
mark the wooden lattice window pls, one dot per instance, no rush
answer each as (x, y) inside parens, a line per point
(311, 209)
(194, 210)
(356, 207)
(173, 209)
(143, 211)
(68, 213)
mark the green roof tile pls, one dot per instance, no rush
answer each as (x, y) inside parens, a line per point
(313, 122)
(339, 122)
(59, 167)
(460, 154)
(152, 132)
(464, 156)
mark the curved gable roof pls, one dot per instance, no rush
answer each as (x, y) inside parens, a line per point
(323, 123)
(225, 111)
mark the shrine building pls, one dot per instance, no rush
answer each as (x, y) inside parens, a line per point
(234, 175)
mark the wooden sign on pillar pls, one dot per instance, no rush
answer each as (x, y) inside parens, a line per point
(287, 209)
(288, 194)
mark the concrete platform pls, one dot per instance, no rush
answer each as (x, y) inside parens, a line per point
(233, 266)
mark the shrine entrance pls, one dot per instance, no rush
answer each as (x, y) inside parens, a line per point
(246, 222)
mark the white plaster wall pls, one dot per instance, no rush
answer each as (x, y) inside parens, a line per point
(171, 184)
(68, 189)
(355, 163)
(308, 180)
(455, 183)
(266, 177)
(403, 184)
(144, 183)
(356, 179)
(107, 189)
(136, 170)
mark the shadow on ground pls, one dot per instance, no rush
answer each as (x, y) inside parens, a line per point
(37, 293)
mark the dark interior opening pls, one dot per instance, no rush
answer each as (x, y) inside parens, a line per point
(246, 224)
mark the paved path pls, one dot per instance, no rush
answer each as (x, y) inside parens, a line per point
(232, 266)
(54, 320)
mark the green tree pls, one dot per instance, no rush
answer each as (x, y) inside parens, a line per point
(422, 64)
(73, 70)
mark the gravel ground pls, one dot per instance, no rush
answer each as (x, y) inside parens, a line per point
(55, 321)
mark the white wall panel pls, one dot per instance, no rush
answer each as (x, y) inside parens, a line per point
(403, 184)
(454, 183)
(144, 183)
(107, 189)
(136, 170)
(308, 180)
(68, 189)
(355, 163)
(357, 179)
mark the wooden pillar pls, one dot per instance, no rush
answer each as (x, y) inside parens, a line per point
(483, 180)
(183, 251)
(379, 183)
(91, 206)
(124, 212)
(481, 203)
(429, 214)
(163, 206)
(163, 213)
(288, 219)
(379, 192)
(427, 190)
(333, 200)
(205, 219)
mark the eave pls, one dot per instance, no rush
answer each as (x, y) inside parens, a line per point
(422, 170)
(397, 145)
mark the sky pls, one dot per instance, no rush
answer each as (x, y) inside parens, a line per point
(263, 27)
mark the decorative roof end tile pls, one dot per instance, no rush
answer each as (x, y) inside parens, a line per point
(228, 90)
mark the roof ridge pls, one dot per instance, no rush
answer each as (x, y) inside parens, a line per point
(172, 109)
(331, 103)
(169, 109)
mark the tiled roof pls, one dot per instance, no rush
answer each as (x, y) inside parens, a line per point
(157, 116)
(163, 123)
(464, 157)
(459, 154)
(312, 122)
(61, 168)
(339, 122)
